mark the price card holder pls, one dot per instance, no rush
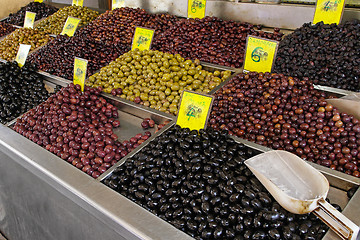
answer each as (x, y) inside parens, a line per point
(22, 54)
(329, 11)
(78, 3)
(117, 4)
(142, 38)
(194, 110)
(39, 1)
(260, 54)
(29, 19)
(80, 66)
(196, 8)
(70, 26)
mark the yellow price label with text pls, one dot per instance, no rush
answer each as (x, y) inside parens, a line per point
(142, 38)
(329, 11)
(70, 26)
(196, 8)
(39, 1)
(80, 66)
(78, 3)
(194, 110)
(260, 54)
(29, 19)
(117, 4)
(22, 54)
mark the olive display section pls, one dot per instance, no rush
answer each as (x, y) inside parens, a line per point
(5, 29)
(286, 113)
(326, 54)
(9, 46)
(42, 10)
(54, 24)
(20, 90)
(197, 182)
(155, 79)
(57, 57)
(79, 128)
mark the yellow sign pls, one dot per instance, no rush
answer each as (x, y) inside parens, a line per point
(142, 38)
(39, 1)
(22, 54)
(117, 4)
(196, 8)
(70, 26)
(78, 2)
(29, 19)
(80, 66)
(194, 110)
(329, 11)
(260, 54)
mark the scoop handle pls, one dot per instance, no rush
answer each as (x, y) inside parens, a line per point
(340, 224)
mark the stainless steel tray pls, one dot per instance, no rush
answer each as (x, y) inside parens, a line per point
(339, 184)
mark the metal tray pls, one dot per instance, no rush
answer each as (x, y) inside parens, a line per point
(338, 184)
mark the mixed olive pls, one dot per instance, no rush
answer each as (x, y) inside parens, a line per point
(9, 46)
(20, 90)
(54, 24)
(42, 10)
(287, 113)
(5, 29)
(155, 79)
(326, 54)
(197, 181)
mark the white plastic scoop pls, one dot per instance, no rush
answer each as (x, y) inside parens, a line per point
(300, 189)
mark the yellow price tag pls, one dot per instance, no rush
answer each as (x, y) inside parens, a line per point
(22, 54)
(329, 11)
(39, 1)
(194, 110)
(117, 4)
(29, 19)
(70, 26)
(78, 2)
(80, 66)
(260, 54)
(196, 8)
(142, 38)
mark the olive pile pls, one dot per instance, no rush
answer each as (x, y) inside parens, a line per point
(55, 23)
(20, 90)
(155, 79)
(118, 25)
(9, 46)
(287, 113)
(197, 181)
(210, 39)
(5, 29)
(42, 10)
(326, 54)
(57, 57)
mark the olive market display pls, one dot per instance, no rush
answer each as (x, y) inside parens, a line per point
(42, 10)
(20, 90)
(326, 54)
(9, 46)
(287, 113)
(155, 79)
(197, 182)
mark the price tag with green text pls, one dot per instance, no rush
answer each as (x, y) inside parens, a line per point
(80, 66)
(70, 26)
(194, 110)
(142, 38)
(29, 19)
(329, 11)
(39, 1)
(117, 4)
(78, 2)
(260, 54)
(22, 54)
(196, 8)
